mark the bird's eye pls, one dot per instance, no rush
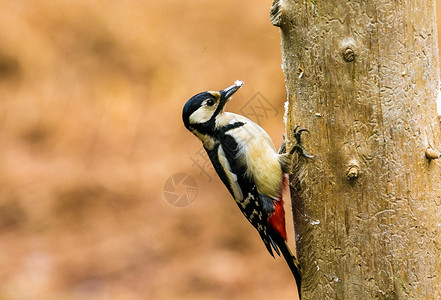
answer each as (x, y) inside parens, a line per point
(210, 102)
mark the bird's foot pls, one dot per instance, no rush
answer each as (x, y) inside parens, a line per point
(298, 147)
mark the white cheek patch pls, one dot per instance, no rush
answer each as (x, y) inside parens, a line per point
(201, 115)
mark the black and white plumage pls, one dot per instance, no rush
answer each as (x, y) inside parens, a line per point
(246, 161)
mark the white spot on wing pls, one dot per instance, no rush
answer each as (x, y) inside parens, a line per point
(245, 201)
(232, 178)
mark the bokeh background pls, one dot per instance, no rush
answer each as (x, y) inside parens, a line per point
(91, 94)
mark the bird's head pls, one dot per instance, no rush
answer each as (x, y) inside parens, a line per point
(203, 108)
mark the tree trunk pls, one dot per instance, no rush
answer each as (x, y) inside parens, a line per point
(363, 77)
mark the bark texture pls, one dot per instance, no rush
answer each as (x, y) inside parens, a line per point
(362, 76)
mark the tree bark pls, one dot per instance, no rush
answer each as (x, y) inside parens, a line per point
(363, 77)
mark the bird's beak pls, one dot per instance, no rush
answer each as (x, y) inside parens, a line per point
(229, 91)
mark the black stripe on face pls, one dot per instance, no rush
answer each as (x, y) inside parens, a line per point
(208, 127)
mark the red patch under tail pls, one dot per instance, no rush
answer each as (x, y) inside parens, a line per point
(277, 219)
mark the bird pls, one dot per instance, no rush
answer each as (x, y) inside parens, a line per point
(246, 161)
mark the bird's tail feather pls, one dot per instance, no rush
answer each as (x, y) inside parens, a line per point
(291, 260)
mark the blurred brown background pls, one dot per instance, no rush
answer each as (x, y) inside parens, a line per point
(91, 95)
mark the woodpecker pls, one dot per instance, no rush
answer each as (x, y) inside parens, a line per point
(245, 159)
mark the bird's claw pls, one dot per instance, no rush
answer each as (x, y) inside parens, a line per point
(298, 147)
